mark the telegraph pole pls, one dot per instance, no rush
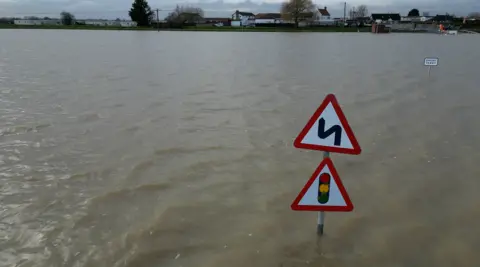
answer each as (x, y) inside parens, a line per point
(344, 13)
(158, 21)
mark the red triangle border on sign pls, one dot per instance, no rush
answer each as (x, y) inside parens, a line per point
(328, 162)
(329, 99)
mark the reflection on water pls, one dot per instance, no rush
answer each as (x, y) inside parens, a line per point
(148, 149)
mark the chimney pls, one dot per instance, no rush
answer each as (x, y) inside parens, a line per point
(325, 8)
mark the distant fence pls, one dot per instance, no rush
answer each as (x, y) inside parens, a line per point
(291, 25)
(413, 27)
(275, 25)
(171, 25)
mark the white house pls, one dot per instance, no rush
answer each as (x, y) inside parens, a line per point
(245, 19)
(112, 23)
(95, 22)
(415, 19)
(323, 17)
(27, 22)
(121, 23)
(387, 18)
(127, 23)
(37, 22)
(268, 18)
(51, 22)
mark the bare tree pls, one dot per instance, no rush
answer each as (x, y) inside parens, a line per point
(185, 13)
(352, 13)
(362, 11)
(297, 10)
(358, 12)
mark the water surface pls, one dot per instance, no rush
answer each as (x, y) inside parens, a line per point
(176, 149)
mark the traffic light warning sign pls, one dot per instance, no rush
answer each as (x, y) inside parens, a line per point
(328, 130)
(324, 191)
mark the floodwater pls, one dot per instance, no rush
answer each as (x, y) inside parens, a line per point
(176, 149)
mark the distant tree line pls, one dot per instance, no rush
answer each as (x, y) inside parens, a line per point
(182, 14)
(292, 10)
(144, 16)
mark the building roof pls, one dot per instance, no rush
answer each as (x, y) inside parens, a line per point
(362, 19)
(244, 13)
(268, 16)
(306, 15)
(324, 11)
(386, 16)
(190, 15)
(443, 18)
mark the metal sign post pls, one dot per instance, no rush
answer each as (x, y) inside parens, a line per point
(432, 61)
(321, 214)
(327, 131)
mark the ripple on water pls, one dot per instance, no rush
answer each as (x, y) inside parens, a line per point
(22, 129)
(89, 117)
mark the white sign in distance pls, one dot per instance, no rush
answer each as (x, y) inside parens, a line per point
(431, 61)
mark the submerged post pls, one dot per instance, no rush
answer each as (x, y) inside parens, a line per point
(430, 62)
(320, 222)
(321, 214)
(327, 131)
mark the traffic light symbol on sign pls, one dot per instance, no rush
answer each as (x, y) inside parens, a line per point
(324, 191)
(324, 188)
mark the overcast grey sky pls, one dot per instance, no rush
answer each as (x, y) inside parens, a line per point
(111, 9)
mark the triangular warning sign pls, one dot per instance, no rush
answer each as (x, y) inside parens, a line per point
(328, 130)
(324, 191)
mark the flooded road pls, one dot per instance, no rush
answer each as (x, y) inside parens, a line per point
(176, 149)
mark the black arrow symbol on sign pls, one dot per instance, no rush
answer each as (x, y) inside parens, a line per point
(335, 129)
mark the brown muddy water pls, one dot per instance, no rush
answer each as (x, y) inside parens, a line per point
(144, 149)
